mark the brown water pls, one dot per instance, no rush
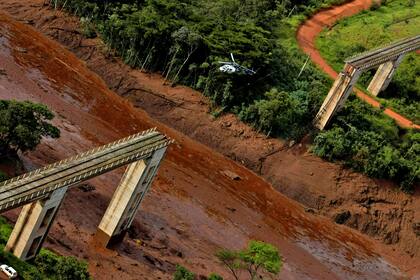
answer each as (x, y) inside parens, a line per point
(189, 208)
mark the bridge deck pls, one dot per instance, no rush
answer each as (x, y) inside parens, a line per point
(40, 183)
(379, 56)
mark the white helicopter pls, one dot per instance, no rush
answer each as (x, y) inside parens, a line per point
(233, 67)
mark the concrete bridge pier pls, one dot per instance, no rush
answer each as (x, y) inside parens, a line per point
(33, 225)
(127, 198)
(337, 96)
(384, 76)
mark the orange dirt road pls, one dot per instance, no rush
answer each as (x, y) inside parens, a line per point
(309, 31)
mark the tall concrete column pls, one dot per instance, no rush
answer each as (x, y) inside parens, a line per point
(384, 76)
(337, 96)
(126, 200)
(33, 225)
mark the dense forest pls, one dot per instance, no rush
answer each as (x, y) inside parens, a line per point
(185, 40)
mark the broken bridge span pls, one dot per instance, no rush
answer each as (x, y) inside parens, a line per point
(42, 191)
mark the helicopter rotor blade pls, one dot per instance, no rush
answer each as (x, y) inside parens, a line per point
(233, 59)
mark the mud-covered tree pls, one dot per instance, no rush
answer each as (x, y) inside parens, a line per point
(23, 124)
(258, 259)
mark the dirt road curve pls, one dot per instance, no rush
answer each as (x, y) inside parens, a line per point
(193, 208)
(309, 31)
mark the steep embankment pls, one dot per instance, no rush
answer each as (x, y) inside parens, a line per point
(193, 207)
(309, 31)
(371, 206)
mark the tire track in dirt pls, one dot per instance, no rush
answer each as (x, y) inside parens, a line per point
(309, 31)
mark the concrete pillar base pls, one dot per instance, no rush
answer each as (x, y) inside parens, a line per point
(126, 200)
(102, 239)
(33, 225)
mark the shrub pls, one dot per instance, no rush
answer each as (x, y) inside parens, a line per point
(182, 273)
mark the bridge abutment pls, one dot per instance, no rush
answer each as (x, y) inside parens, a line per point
(33, 225)
(383, 76)
(127, 198)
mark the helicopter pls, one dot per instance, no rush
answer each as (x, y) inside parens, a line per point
(233, 67)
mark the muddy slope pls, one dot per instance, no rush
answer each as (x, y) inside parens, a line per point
(370, 206)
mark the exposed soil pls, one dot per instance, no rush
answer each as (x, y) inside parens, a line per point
(189, 209)
(309, 31)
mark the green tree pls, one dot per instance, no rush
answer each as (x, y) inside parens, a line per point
(23, 124)
(257, 259)
(182, 273)
(231, 260)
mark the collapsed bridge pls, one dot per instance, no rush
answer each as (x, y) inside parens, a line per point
(42, 191)
(387, 59)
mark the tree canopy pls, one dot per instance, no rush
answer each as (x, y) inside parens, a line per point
(23, 124)
(257, 259)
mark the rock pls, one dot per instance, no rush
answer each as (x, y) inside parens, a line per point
(342, 217)
(310, 210)
(3, 72)
(365, 210)
(86, 188)
(231, 209)
(21, 50)
(231, 175)
(226, 124)
(416, 229)
(292, 143)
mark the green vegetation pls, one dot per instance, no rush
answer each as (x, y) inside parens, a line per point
(369, 143)
(184, 40)
(391, 21)
(22, 125)
(181, 273)
(214, 276)
(46, 265)
(258, 259)
(3, 176)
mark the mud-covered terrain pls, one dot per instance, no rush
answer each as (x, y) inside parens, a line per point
(194, 206)
(374, 207)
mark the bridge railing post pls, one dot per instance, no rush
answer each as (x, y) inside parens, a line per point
(127, 198)
(33, 225)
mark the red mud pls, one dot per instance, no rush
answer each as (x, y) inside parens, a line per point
(309, 31)
(192, 209)
(376, 207)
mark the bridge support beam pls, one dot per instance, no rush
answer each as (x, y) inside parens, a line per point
(337, 96)
(384, 76)
(126, 200)
(33, 225)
